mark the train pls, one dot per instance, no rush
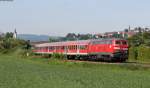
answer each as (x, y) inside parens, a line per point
(114, 49)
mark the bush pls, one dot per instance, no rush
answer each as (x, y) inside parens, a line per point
(58, 56)
(143, 53)
(133, 53)
(139, 53)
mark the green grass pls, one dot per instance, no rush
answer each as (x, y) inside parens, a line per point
(42, 73)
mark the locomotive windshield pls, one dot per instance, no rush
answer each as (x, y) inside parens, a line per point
(124, 42)
(119, 42)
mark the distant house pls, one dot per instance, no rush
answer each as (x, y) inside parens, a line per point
(119, 34)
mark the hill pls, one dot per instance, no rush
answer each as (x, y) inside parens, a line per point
(36, 38)
(33, 37)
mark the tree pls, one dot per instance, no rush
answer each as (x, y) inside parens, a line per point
(71, 36)
(53, 40)
(126, 30)
(135, 40)
(9, 35)
(27, 45)
(146, 38)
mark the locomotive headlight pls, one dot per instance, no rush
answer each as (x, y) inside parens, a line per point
(126, 51)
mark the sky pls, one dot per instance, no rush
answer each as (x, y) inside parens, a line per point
(59, 17)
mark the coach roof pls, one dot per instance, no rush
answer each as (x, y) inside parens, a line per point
(80, 42)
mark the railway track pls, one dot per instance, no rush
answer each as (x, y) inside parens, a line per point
(112, 63)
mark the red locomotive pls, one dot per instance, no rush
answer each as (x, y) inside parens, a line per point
(98, 49)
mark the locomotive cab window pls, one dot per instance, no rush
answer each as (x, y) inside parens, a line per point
(124, 42)
(83, 47)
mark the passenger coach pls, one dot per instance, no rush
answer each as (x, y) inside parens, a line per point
(98, 49)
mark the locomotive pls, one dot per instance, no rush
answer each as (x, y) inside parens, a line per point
(114, 49)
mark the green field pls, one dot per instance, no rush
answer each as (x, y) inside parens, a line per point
(42, 73)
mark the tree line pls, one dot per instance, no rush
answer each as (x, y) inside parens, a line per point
(8, 42)
(140, 46)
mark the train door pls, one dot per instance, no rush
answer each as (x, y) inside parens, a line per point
(65, 49)
(77, 49)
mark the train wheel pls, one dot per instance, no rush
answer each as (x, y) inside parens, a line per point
(69, 57)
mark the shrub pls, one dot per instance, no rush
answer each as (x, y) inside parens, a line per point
(139, 53)
(143, 53)
(133, 53)
(58, 56)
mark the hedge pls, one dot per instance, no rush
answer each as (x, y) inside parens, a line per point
(141, 53)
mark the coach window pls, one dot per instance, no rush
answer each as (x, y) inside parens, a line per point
(109, 42)
(55, 47)
(74, 47)
(69, 47)
(46, 48)
(51, 48)
(59, 47)
(83, 47)
(62, 47)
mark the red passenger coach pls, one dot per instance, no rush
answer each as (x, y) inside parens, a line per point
(98, 49)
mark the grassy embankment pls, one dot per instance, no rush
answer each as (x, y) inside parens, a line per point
(16, 72)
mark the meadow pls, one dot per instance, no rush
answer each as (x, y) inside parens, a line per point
(18, 72)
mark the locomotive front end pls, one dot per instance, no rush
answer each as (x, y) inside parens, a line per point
(120, 50)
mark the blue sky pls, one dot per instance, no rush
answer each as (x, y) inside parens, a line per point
(59, 17)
